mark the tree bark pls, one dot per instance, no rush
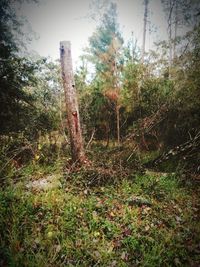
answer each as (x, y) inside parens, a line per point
(73, 120)
(118, 126)
(171, 7)
(144, 29)
(175, 29)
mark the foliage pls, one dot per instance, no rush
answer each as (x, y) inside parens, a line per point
(79, 225)
(21, 107)
(29, 89)
(15, 72)
(114, 211)
(105, 53)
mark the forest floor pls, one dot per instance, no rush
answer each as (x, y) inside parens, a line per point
(109, 214)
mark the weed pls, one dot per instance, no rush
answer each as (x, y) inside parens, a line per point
(81, 225)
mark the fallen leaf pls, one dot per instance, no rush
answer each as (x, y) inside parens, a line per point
(94, 216)
(147, 227)
(58, 248)
(113, 263)
(50, 234)
(126, 232)
(117, 243)
(177, 262)
(178, 219)
(85, 191)
(96, 234)
(112, 214)
(124, 256)
(97, 254)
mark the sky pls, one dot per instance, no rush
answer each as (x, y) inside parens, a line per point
(53, 21)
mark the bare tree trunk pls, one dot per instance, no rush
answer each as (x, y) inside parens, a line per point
(144, 29)
(175, 28)
(107, 135)
(171, 7)
(73, 121)
(117, 106)
(118, 126)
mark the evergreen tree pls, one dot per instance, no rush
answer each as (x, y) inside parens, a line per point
(105, 48)
(15, 72)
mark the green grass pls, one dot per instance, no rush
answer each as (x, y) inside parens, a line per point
(82, 225)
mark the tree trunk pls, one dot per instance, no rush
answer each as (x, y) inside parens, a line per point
(175, 29)
(118, 126)
(73, 121)
(171, 6)
(144, 29)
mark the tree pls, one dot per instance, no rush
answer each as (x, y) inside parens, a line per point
(73, 120)
(105, 47)
(181, 14)
(15, 73)
(144, 29)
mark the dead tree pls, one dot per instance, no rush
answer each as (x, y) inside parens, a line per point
(187, 153)
(73, 121)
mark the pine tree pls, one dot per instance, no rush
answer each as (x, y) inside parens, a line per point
(15, 72)
(105, 48)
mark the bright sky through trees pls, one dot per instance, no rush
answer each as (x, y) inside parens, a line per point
(54, 21)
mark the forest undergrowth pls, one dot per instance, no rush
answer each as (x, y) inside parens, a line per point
(134, 198)
(111, 213)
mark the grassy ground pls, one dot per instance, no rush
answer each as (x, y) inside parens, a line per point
(100, 216)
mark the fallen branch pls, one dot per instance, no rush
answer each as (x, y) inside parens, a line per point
(187, 152)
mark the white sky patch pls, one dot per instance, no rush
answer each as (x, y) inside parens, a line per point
(55, 21)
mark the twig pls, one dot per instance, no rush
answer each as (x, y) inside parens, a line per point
(10, 159)
(91, 138)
